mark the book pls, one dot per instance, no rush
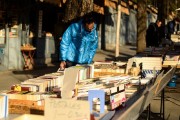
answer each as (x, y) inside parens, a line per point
(3, 106)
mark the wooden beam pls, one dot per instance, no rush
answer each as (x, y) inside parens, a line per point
(130, 3)
(123, 4)
(135, 6)
(98, 9)
(125, 10)
(109, 3)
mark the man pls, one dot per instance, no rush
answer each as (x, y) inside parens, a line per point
(172, 27)
(152, 34)
(79, 43)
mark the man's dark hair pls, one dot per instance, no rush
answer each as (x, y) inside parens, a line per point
(88, 18)
(158, 20)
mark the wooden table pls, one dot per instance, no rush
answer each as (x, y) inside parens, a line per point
(28, 53)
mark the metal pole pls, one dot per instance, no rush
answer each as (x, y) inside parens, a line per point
(163, 105)
(118, 29)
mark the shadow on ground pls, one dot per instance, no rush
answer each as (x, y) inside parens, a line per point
(38, 70)
(123, 56)
(153, 116)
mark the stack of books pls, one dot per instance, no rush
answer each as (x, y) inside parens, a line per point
(43, 83)
(85, 71)
(172, 58)
(114, 88)
(152, 63)
(109, 68)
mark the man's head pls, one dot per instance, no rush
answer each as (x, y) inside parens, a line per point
(159, 22)
(89, 22)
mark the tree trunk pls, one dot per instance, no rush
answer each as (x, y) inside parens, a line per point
(163, 10)
(141, 26)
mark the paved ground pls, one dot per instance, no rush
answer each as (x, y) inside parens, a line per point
(172, 96)
(172, 105)
(9, 78)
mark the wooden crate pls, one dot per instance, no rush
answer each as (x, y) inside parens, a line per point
(26, 107)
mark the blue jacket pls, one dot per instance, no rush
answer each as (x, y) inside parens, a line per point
(78, 45)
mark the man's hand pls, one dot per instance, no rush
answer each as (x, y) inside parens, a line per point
(62, 65)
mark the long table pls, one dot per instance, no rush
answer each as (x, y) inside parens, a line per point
(135, 105)
(139, 102)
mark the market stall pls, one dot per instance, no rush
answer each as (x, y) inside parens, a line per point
(127, 88)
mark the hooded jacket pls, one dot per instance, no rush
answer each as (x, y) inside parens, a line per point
(78, 45)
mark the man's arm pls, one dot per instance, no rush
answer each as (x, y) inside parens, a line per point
(93, 48)
(64, 44)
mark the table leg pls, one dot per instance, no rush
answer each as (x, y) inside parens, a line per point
(28, 59)
(25, 60)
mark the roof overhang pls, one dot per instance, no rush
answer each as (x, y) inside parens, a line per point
(96, 7)
(113, 4)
